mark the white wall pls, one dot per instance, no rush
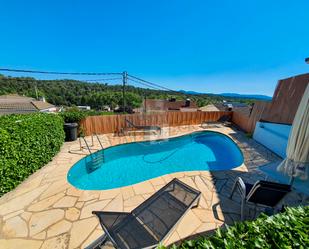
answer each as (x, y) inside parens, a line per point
(52, 109)
(273, 136)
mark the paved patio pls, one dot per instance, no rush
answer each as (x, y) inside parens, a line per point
(45, 211)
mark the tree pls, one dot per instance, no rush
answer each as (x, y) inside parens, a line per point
(72, 92)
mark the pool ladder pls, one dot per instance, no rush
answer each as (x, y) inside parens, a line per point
(97, 158)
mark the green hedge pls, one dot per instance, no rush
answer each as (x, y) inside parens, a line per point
(284, 230)
(74, 115)
(27, 142)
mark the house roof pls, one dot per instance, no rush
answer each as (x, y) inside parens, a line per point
(210, 108)
(15, 98)
(41, 105)
(164, 105)
(243, 108)
(14, 103)
(180, 104)
(10, 108)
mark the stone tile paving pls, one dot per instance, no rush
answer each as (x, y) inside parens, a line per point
(45, 211)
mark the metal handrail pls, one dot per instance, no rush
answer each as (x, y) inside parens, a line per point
(96, 135)
(87, 146)
(83, 147)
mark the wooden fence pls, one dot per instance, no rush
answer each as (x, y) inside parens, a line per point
(114, 123)
(281, 109)
(286, 99)
(247, 122)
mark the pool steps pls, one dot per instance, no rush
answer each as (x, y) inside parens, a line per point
(97, 158)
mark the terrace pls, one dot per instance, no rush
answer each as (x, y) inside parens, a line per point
(45, 211)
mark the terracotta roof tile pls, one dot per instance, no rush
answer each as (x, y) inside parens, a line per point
(13, 103)
(41, 105)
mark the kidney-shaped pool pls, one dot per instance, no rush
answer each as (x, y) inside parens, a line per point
(131, 163)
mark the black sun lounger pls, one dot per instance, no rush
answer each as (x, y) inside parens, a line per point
(261, 193)
(147, 128)
(150, 222)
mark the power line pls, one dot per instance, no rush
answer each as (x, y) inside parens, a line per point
(86, 73)
(130, 77)
(51, 72)
(78, 80)
(156, 85)
(144, 84)
(102, 79)
(159, 87)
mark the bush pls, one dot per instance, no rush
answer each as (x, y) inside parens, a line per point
(74, 115)
(27, 142)
(285, 230)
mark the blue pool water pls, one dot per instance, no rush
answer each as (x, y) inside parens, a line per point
(131, 163)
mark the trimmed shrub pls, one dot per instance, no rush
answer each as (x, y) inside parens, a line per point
(27, 142)
(284, 230)
(73, 115)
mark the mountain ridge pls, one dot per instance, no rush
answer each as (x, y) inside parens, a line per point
(233, 95)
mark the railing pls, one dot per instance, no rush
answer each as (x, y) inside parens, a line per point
(114, 123)
(97, 158)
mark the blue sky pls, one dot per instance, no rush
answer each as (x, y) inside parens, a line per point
(210, 46)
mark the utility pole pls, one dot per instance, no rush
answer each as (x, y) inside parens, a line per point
(124, 82)
(145, 104)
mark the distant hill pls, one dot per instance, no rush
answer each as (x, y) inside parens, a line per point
(193, 92)
(246, 96)
(68, 92)
(232, 95)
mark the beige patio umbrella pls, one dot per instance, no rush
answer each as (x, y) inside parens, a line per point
(296, 163)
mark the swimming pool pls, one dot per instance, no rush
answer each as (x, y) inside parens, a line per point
(131, 163)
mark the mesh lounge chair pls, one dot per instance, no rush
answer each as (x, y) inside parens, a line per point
(224, 120)
(261, 193)
(148, 128)
(150, 222)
